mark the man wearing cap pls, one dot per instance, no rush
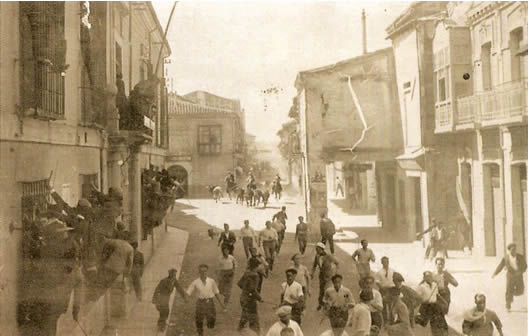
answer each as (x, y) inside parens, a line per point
(301, 234)
(410, 297)
(249, 238)
(284, 314)
(250, 295)
(360, 320)
(431, 311)
(162, 295)
(269, 238)
(338, 300)
(364, 256)
(227, 239)
(327, 267)
(292, 295)
(479, 321)
(515, 265)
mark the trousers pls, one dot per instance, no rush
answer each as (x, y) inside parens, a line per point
(205, 310)
(249, 314)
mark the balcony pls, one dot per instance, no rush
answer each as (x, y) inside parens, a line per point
(504, 104)
(443, 117)
(93, 101)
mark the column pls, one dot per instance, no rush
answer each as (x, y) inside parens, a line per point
(507, 188)
(478, 200)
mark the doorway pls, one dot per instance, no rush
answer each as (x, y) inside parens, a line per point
(520, 206)
(493, 210)
(418, 219)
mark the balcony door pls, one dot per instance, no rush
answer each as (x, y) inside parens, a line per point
(516, 37)
(485, 58)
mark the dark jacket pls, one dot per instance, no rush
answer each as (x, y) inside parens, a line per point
(521, 261)
(327, 227)
(164, 290)
(228, 239)
(249, 285)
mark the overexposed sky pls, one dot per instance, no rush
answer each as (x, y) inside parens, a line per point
(240, 49)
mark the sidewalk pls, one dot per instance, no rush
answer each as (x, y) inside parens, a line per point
(143, 316)
(473, 275)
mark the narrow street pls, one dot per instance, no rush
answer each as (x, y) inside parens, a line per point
(198, 215)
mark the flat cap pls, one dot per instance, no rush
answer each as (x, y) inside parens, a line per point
(284, 310)
(320, 245)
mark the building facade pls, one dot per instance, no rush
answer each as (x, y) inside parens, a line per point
(66, 71)
(206, 140)
(349, 119)
(486, 53)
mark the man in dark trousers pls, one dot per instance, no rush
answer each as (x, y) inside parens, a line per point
(515, 265)
(326, 263)
(138, 265)
(249, 284)
(227, 239)
(301, 234)
(162, 295)
(327, 228)
(281, 217)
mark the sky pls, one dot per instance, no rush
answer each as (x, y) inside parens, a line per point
(240, 50)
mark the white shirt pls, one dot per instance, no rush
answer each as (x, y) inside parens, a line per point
(302, 273)
(384, 277)
(361, 320)
(428, 292)
(330, 332)
(378, 300)
(228, 263)
(275, 329)
(248, 232)
(513, 261)
(292, 293)
(205, 291)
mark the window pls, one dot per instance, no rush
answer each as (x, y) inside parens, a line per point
(43, 58)
(35, 200)
(485, 58)
(209, 139)
(119, 59)
(87, 180)
(441, 89)
(516, 37)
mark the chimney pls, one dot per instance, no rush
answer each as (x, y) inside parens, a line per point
(364, 30)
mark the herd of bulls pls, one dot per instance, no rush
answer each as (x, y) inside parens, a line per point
(251, 195)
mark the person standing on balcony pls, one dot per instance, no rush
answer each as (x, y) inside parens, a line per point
(515, 265)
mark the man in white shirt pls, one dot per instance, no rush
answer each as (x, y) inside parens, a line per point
(430, 309)
(338, 300)
(249, 237)
(284, 313)
(384, 280)
(376, 304)
(269, 239)
(361, 321)
(292, 295)
(206, 290)
(364, 256)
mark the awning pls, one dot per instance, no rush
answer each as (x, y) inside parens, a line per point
(412, 161)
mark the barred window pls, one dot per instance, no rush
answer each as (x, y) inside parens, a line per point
(209, 139)
(43, 58)
(87, 180)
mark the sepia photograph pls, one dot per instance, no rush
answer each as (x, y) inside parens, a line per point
(263, 168)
